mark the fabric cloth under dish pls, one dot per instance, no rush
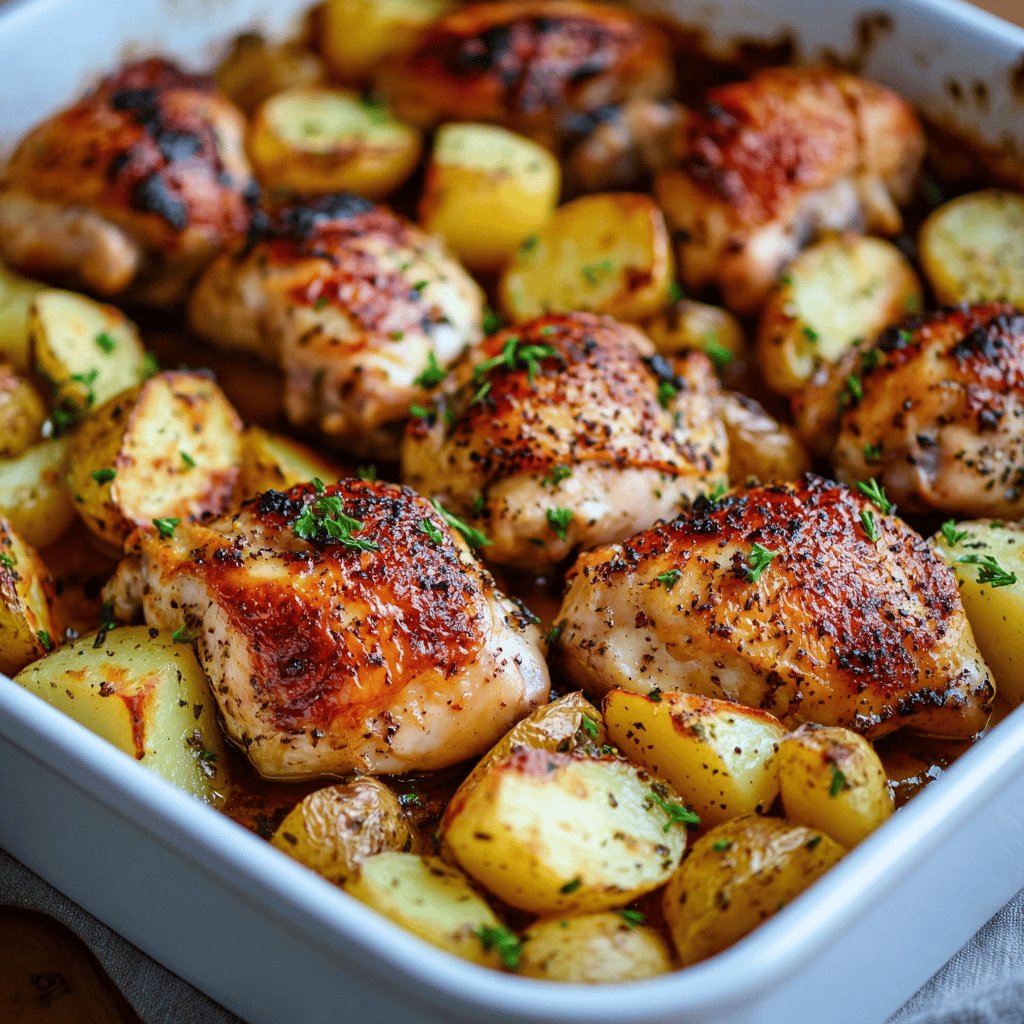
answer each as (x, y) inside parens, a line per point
(982, 984)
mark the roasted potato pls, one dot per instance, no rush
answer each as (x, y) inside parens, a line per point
(605, 253)
(16, 295)
(760, 447)
(273, 461)
(988, 558)
(254, 69)
(316, 140)
(736, 877)
(486, 191)
(431, 899)
(972, 248)
(719, 756)
(358, 34)
(555, 833)
(832, 779)
(594, 949)
(143, 691)
(29, 623)
(34, 495)
(689, 325)
(836, 292)
(22, 413)
(169, 448)
(333, 830)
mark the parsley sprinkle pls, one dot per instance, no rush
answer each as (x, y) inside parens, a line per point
(759, 560)
(677, 813)
(432, 375)
(547, 330)
(149, 368)
(476, 538)
(559, 520)
(556, 476)
(420, 286)
(397, 334)
(183, 635)
(592, 272)
(875, 493)
(838, 783)
(492, 321)
(207, 755)
(165, 527)
(951, 533)
(508, 946)
(867, 519)
(666, 392)
(872, 453)
(321, 302)
(103, 476)
(481, 393)
(420, 412)
(869, 360)
(721, 844)
(479, 504)
(6, 561)
(854, 389)
(571, 887)
(912, 304)
(669, 579)
(717, 492)
(990, 571)
(325, 520)
(810, 334)
(44, 639)
(188, 460)
(632, 917)
(515, 355)
(106, 342)
(368, 474)
(553, 634)
(590, 727)
(813, 843)
(675, 292)
(430, 529)
(716, 351)
(654, 695)
(529, 244)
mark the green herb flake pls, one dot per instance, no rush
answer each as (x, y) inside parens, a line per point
(654, 695)
(103, 476)
(556, 476)
(590, 727)
(990, 571)
(869, 360)
(676, 292)
(368, 474)
(571, 887)
(508, 946)
(669, 579)
(759, 559)
(813, 843)
(474, 537)
(721, 845)
(854, 389)
(325, 520)
(420, 286)
(187, 459)
(717, 493)
(553, 634)
(492, 321)
(594, 272)
(420, 412)
(429, 527)
(166, 526)
(516, 354)
(677, 813)
(633, 918)
(321, 302)
(559, 520)
(810, 334)
(150, 367)
(875, 493)
(6, 561)
(838, 783)
(547, 330)
(44, 639)
(666, 392)
(872, 453)
(867, 519)
(951, 533)
(716, 351)
(433, 374)
(106, 342)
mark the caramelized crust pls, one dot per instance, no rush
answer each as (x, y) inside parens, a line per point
(837, 629)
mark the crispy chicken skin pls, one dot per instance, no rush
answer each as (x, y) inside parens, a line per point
(327, 659)
(768, 163)
(350, 300)
(568, 431)
(940, 420)
(837, 629)
(132, 190)
(532, 66)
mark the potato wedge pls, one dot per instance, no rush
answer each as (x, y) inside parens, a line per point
(16, 295)
(333, 830)
(593, 949)
(831, 779)
(737, 876)
(834, 293)
(358, 34)
(760, 447)
(486, 191)
(146, 694)
(22, 413)
(88, 351)
(972, 248)
(556, 833)
(606, 253)
(169, 448)
(273, 461)
(254, 69)
(34, 495)
(317, 140)
(992, 592)
(429, 898)
(29, 624)
(719, 756)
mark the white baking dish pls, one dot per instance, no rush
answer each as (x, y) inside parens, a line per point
(272, 941)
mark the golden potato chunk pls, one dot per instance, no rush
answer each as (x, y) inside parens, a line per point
(34, 495)
(972, 248)
(719, 756)
(166, 450)
(22, 413)
(316, 140)
(274, 462)
(739, 875)
(29, 626)
(687, 325)
(604, 253)
(431, 899)
(333, 830)
(144, 692)
(556, 833)
(16, 295)
(760, 447)
(832, 779)
(486, 191)
(254, 69)
(835, 293)
(594, 949)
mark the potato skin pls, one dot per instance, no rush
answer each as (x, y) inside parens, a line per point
(34, 495)
(737, 876)
(760, 447)
(271, 461)
(254, 69)
(22, 413)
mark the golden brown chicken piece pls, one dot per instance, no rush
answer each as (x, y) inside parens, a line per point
(351, 301)
(532, 66)
(767, 164)
(801, 599)
(568, 431)
(937, 413)
(132, 190)
(345, 628)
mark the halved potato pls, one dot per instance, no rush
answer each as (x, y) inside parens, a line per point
(431, 899)
(16, 295)
(972, 248)
(832, 779)
(316, 140)
(836, 292)
(333, 830)
(169, 448)
(988, 559)
(29, 626)
(486, 190)
(593, 949)
(273, 461)
(22, 413)
(760, 447)
(146, 694)
(719, 756)
(34, 495)
(606, 253)
(254, 69)
(556, 833)
(739, 875)
(688, 325)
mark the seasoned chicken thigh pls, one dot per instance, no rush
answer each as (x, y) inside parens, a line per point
(345, 628)
(132, 190)
(533, 66)
(768, 163)
(351, 301)
(938, 415)
(802, 599)
(568, 431)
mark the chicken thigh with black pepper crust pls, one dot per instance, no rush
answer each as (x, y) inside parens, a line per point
(801, 599)
(343, 628)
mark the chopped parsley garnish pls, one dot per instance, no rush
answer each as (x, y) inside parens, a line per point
(870, 359)
(654, 695)
(716, 351)
(559, 520)
(838, 783)
(951, 533)
(669, 579)
(106, 342)
(758, 560)
(103, 476)
(183, 635)
(150, 367)
(420, 412)
(492, 321)
(593, 272)
(990, 571)
(675, 292)
(810, 334)
(515, 355)
(432, 375)
(677, 813)
(632, 917)
(867, 519)
(590, 727)
(547, 330)
(571, 887)
(556, 476)
(717, 492)
(854, 389)
(476, 538)
(721, 844)
(479, 504)
(872, 453)
(912, 304)
(428, 527)
(529, 243)
(321, 302)
(813, 843)
(166, 526)
(875, 493)
(325, 519)
(397, 334)
(368, 474)
(44, 639)
(553, 634)
(508, 945)
(420, 286)
(6, 561)
(190, 463)
(481, 393)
